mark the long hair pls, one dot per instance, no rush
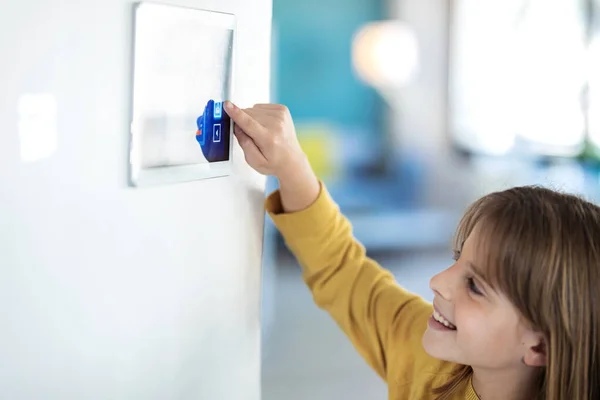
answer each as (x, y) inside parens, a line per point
(541, 249)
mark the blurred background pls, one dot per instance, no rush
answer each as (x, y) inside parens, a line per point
(409, 110)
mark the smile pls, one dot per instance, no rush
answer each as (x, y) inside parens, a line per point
(440, 318)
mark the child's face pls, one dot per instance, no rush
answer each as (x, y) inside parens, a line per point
(485, 329)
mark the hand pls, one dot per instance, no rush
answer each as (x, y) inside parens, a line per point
(267, 136)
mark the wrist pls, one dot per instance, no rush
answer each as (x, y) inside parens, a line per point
(297, 173)
(299, 187)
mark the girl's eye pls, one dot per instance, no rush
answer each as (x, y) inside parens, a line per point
(473, 287)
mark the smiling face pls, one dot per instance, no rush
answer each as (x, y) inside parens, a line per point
(540, 250)
(479, 326)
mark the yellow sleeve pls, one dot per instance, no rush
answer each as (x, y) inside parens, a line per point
(384, 322)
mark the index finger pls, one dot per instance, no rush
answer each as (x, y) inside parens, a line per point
(249, 125)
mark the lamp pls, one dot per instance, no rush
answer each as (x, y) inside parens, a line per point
(385, 55)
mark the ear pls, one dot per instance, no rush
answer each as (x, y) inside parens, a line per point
(535, 351)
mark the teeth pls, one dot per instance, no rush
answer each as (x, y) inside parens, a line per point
(438, 317)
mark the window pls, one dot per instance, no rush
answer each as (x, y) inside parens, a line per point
(516, 76)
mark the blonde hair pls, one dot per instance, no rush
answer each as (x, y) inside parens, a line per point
(541, 249)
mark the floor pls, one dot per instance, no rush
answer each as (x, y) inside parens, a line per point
(306, 356)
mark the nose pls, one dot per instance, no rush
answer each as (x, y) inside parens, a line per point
(443, 284)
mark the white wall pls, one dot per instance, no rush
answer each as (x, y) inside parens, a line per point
(108, 292)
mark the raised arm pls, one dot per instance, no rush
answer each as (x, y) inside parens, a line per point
(382, 320)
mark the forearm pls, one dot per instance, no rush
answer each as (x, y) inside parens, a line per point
(362, 297)
(299, 188)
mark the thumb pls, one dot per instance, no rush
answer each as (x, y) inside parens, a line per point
(249, 125)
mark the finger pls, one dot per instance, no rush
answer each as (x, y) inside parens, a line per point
(249, 125)
(244, 140)
(250, 149)
(241, 136)
(237, 129)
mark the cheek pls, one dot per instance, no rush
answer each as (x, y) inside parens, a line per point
(483, 334)
(469, 318)
(476, 327)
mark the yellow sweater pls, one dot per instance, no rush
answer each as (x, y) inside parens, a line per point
(384, 322)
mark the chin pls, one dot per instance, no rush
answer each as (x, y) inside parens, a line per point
(435, 347)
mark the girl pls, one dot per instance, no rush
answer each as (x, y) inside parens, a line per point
(517, 316)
